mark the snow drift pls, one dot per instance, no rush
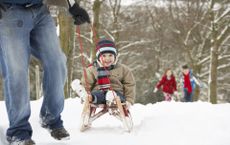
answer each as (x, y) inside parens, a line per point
(165, 123)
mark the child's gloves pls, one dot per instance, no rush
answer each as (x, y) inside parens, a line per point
(79, 14)
(155, 90)
(79, 89)
(109, 97)
(75, 84)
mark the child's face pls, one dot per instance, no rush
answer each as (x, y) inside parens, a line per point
(185, 71)
(107, 59)
(169, 73)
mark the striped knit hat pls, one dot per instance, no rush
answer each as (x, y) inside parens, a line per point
(105, 46)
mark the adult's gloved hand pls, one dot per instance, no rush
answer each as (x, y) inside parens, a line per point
(79, 14)
(2, 8)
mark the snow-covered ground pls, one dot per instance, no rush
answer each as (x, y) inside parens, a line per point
(165, 123)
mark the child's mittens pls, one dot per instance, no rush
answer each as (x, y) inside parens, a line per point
(110, 95)
(75, 84)
(155, 90)
(79, 89)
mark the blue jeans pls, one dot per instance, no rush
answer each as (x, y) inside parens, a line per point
(26, 31)
(188, 97)
(99, 96)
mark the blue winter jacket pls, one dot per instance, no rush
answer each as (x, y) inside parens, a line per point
(22, 2)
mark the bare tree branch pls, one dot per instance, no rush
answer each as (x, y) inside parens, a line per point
(225, 13)
(133, 44)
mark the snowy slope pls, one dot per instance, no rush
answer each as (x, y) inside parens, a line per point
(165, 123)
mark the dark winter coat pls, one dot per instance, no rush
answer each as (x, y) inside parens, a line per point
(169, 85)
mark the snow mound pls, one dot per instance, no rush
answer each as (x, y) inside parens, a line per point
(164, 123)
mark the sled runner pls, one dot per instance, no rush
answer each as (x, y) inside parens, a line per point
(117, 109)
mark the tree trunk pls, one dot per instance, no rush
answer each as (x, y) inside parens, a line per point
(66, 40)
(116, 6)
(212, 92)
(96, 26)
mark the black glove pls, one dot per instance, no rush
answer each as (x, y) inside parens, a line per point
(79, 14)
(2, 7)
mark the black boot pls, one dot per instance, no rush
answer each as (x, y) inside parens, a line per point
(60, 134)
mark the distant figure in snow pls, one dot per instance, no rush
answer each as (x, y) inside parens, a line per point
(188, 83)
(168, 85)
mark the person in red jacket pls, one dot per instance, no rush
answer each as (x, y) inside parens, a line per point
(167, 84)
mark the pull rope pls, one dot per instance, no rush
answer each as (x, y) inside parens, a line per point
(78, 31)
(94, 34)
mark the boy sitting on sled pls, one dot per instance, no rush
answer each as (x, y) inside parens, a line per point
(106, 78)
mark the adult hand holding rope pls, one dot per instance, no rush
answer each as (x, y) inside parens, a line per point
(79, 14)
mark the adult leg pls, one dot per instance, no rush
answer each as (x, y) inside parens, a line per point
(46, 47)
(14, 57)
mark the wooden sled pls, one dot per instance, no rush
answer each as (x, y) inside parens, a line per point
(117, 109)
